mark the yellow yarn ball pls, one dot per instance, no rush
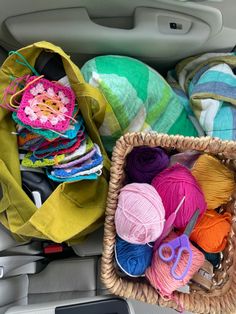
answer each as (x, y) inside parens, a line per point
(215, 179)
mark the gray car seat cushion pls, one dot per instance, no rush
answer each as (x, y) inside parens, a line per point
(76, 274)
(91, 246)
(13, 289)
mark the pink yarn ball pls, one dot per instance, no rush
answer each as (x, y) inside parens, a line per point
(172, 185)
(159, 273)
(140, 215)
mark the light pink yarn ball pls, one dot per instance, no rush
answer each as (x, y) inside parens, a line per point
(140, 214)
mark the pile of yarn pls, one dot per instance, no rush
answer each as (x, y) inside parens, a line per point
(139, 219)
(162, 195)
(159, 274)
(50, 129)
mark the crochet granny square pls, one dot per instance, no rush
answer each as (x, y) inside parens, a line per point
(46, 105)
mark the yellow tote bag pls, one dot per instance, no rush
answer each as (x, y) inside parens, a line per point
(73, 209)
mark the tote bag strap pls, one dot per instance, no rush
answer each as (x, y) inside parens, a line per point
(86, 90)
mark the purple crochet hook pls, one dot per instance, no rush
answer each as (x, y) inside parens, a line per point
(181, 243)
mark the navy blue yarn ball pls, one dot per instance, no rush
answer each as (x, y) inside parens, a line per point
(133, 259)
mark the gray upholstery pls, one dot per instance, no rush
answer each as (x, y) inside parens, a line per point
(32, 248)
(11, 263)
(19, 302)
(65, 276)
(59, 296)
(91, 246)
(13, 289)
(31, 268)
(49, 308)
(6, 240)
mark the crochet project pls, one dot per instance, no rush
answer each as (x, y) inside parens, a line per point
(61, 150)
(47, 105)
(85, 147)
(71, 132)
(92, 176)
(51, 130)
(78, 161)
(92, 162)
(96, 169)
(57, 145)
(31, 161)
(26, 139)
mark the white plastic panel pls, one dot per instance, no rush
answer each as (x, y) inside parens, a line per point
(220, 16)
(227, 8)
(151, 35)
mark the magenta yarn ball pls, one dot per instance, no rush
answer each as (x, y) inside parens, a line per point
(140, 215)
(173, 184)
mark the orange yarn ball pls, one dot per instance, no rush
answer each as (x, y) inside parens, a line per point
(211, 232)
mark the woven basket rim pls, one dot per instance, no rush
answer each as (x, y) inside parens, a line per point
(224, 300)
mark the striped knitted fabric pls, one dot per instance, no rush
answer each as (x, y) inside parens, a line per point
(139, 99)
(209, 83)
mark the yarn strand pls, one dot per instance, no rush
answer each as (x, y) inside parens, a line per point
(24, 62)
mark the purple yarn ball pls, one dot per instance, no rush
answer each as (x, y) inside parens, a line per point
(144, 163)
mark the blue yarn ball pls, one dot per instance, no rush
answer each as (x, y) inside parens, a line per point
(213, 258)
(133, 259)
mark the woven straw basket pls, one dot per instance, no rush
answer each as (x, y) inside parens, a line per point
(221, 298)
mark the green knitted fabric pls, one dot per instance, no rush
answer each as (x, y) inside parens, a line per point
(139, 99)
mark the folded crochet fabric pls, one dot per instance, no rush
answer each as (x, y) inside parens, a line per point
(85, 147)
(26, 139)
(139, 99)
(53, 147)
(97, 169)
(92, 176)
(209, 84)
(77, 161)
(71, 132)
(62, 149)
(32, 162)
(88, 164)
